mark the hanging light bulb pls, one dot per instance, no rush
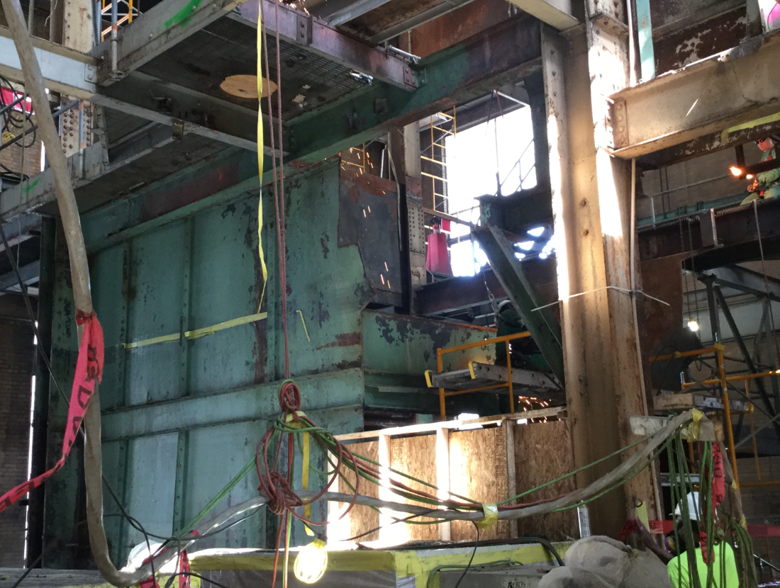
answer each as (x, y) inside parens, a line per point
(311, 562)
(693, 325)
(736, 171)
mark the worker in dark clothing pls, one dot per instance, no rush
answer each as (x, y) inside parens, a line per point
(765, 184)
(523, 351)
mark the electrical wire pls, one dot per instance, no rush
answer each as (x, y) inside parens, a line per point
(473, 553)
(193, 575)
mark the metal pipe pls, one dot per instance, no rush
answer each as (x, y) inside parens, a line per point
(727, 414)
(114, 39)
(413, 58)
(512, 98)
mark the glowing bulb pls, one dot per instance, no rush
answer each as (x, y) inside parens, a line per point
(693, 325)
(735, 171)
(311, 562)
(749, 177)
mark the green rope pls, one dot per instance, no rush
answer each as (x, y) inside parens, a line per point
(214, 501)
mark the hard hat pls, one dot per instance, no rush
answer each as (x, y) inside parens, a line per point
(693, 506)
(503, 304)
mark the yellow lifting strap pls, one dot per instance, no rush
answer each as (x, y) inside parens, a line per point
(260, 142)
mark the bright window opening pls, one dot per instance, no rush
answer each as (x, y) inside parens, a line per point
(499, 152)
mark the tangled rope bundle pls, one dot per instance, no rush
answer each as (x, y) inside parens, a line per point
(277, 486)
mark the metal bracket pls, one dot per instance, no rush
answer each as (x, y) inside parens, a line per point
(619, 123)
(303, 34)
(610, 25)
(178, 130)
(709, 230)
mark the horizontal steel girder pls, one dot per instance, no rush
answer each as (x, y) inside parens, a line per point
(462, 72)
(316, 36)
(727, 89)
(744, 280)
(717, 238)
(29, 274)
(556, 13)
(64, 70)
(172, 21)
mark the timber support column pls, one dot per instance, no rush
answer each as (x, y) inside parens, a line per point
(591, 197)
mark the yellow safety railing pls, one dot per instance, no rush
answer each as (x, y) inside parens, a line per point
(724, 381)
(105, 9)
(442, 351)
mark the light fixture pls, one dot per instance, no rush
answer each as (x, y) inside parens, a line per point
(693, 325)
(735, 171)
(311, 562)
(749, 177)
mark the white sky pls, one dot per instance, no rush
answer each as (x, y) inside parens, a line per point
(471, 172)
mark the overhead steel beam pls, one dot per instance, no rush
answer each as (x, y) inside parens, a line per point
(744, 280)
(20, 229)
(315, 36)
(162, 102)
(727, 89)
(711, 143)
(156, 31)
(84, 168)
(417, 20)
(337, 12)
(64, 70)
(466, 71)
(717, 237)
(556, 13)
(29, 274)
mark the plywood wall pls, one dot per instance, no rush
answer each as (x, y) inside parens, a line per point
(416, 457)
(478, 469)
(543, 453)
(361, 518)
(478, 466)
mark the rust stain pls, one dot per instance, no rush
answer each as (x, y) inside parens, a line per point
(344, 340)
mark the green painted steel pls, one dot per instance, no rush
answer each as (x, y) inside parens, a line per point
(645, 33)
(454, 75)
(181, 417)
(538, 318)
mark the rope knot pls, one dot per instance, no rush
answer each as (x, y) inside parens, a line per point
(84, 317)
(280, 495)
(289, 397)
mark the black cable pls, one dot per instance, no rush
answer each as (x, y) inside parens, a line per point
(193, 575)
(403, 520)
(473, 553)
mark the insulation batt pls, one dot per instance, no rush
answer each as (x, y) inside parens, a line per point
(602, 562)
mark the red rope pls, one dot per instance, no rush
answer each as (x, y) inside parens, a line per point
(283, 247)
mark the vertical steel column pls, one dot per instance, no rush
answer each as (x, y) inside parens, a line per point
(42, 383)
(712, 305)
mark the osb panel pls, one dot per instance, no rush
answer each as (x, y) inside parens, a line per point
(415, 456)
(478, 469)
(543, 453)
(361, 518)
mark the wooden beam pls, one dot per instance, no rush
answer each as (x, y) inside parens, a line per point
(551, 412)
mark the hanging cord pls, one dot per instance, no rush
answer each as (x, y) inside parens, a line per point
(766, 280)
(283, 248)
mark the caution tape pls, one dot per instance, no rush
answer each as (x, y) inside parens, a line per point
(89, 371)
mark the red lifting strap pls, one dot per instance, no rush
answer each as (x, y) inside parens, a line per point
(89, 371)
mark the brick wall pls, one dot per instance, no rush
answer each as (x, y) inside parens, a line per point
(11, 156)
(16, 369)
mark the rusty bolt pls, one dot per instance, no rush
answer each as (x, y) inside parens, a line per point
(621, 129)
(620, 106)
(585, 233)
(584, 202)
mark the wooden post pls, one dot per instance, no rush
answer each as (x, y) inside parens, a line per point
(591, 196)
(511, 475)
(443, 475)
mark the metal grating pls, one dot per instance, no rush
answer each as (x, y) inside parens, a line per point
(227, 47)
(119, 124)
